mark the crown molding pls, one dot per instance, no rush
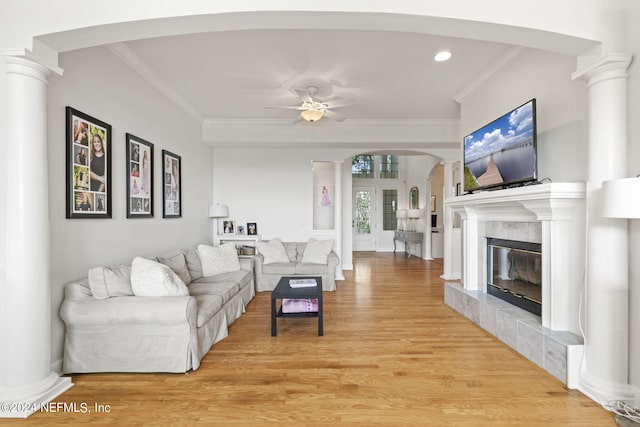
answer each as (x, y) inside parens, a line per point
(488, 72)
(139, 66)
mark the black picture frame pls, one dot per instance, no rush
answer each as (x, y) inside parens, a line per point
(252, 228)
(171, 185)
(139, 173)
(88, 174)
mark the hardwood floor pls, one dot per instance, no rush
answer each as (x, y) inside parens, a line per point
(393, 354)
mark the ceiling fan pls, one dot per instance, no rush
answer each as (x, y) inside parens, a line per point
(313, 109)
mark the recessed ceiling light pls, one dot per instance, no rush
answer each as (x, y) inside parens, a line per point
(442, 56)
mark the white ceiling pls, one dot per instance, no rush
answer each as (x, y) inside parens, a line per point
(389, 75)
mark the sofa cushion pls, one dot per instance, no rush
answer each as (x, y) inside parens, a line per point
(317, 251)
(217, 260)
(192, 258)
(273, 251)
(281, 268)
(112, 281)
(309, 269)
(241, 277)
(226, 290)
(208, 306)
(178, 264)
(153, 279)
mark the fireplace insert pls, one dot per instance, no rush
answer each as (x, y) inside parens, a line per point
(514, 273)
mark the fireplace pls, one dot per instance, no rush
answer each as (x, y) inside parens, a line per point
(514, 273)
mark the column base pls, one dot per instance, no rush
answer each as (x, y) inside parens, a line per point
(605, 392)
(24, 402)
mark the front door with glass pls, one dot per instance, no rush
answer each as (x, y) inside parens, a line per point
(364, 219)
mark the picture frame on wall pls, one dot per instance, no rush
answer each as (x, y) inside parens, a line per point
(88, 166)
(139, 177)
(171, 185)
(252, 228)
(228, 227)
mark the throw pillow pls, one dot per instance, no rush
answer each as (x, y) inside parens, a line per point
(219, 259)
(316, 251)
(106, 282)
(153, 279)
(273, 251)
(178, 264)
(192, 257)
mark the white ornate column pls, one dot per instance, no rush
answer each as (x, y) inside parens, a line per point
(605, 368)
(25, 331)
(337, 169)
(447, 212)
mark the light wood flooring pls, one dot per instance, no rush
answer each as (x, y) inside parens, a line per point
(393, 354)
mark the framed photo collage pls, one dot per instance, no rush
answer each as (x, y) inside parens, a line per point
(89, 168)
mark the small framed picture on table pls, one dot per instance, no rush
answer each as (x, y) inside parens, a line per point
(252, 228)
(228, 227)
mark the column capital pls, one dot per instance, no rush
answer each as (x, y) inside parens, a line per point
(606, 67)
(27, 67)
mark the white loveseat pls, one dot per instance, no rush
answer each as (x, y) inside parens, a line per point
(296, 259)
(111, 329)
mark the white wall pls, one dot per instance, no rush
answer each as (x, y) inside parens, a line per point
(97, 83)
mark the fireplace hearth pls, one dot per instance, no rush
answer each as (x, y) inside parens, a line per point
(514, 273)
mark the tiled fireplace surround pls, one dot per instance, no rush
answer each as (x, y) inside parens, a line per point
(552, 215)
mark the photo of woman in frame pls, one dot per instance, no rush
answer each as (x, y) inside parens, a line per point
(88, 166)
(139, 177)
(172, 186)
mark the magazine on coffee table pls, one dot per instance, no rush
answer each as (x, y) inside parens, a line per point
(302, 283)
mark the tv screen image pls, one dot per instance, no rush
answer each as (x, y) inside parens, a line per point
(504, 152)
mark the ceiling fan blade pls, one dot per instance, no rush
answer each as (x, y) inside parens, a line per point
(293, 107)
(337, 103)
(304, 95)
(334, 116)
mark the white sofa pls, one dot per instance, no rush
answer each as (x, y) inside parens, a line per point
(269, 273)
(109, 329)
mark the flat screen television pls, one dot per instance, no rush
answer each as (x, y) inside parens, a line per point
(504, 152)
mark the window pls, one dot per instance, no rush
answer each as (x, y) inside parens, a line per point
(362, 166)
(389, 167)
(363, 212)
(389, 207)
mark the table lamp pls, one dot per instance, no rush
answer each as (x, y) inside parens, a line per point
(217, 211)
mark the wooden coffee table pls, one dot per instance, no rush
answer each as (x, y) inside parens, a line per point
(284, 291)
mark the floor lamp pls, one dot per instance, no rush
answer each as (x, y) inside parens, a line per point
(620, 200)
(217, 211)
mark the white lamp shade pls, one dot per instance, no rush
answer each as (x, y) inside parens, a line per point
(415, 213)
(218, 211)
(402, 214)
(620, 198)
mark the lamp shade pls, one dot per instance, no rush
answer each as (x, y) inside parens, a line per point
(620, 198)
(312, 115)
(415, 213)
(218, 211)
(402, 214)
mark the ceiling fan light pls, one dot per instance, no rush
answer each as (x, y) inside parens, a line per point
(312, 115)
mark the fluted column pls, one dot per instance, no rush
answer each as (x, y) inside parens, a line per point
(605, 367)
(25, 371)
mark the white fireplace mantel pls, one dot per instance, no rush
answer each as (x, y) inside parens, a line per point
(560, 209)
